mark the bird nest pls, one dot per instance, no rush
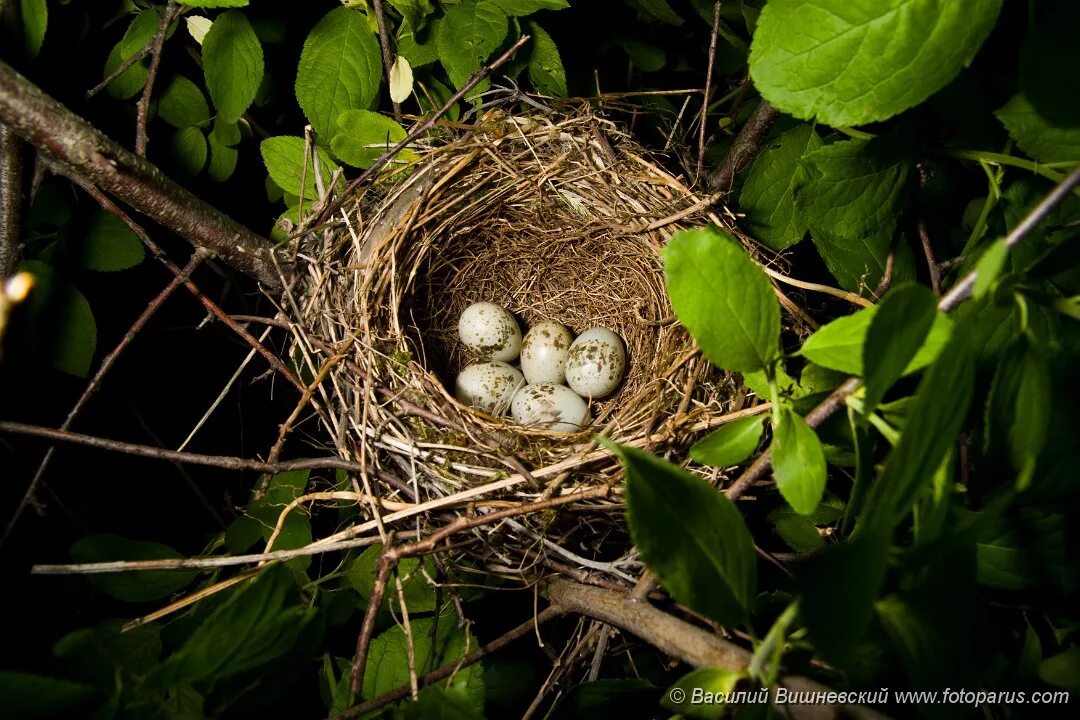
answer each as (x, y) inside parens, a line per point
(554, 215)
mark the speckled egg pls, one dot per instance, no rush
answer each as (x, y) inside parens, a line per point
(550, 406)
(488, 386)
(544, 351)
(490, 331)
(595, 365)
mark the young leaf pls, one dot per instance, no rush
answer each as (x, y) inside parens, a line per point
(545, 66)
(233, 64)
(989, 267)
(897, 331)
(189, 150)
(520, 8)
(723, 298)
(766, 195)
(35, 18)
(401, 79)
(690, 535)
(364, 135)
(198, 26)
(284, 159)
(139, 586)
(467, 35)
(109, 244)
(863, 63)
(851, 197)
(798, 462)
(838, 345)
(340, 69)
(1036, 136)
(257, 624)
(182, 103)
(730, 444)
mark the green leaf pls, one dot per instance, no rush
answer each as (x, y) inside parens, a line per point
(838, 345)
(520, 8)
(435, 703)
(414, 12)
(630, 698)
(839, 590)
(182, 103)
(989, 267)
(1016, 408)
(1030, 551)
(422, 52)
(93, 655)
(729, 445)
(1036, 136)
(35, 18)
(255, 625)
(140, 32)
(363, 136)
(436, 642)
(37, 696)
(467, 36)
(690, 535)
(222, 158)
(937, 413)
(1062, 670)
(233, 64)
(713, 685)
(72, 332)
(851, 198)
(723, 298)
(262, 513)
(109, 244)
(645, 56)
(216, 3)
(898, 329)
(798, 462)
(140, 586)
(766, 195)
(866, 62)
(799, 533)
(189, 150)
(420, 595)
(1050, 45)
(656, 9)
(284, 160)
(545, 66)
(340, 69)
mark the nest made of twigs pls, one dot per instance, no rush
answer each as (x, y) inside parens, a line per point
(556, 214)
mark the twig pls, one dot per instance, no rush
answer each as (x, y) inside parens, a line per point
(708, 88)
(887, 275)
(956, 296)
(89, 154)
(420, 129)
(435, 676)
(126, 64)
(931, 264)
(745, 147)
(680, 639)
(95, 382)
(172, 10)
(11, 150)
(384, 45)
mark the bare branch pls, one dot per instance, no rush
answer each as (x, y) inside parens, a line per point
(71, 141)
(172, 11)
(11, 150)
(708, 88)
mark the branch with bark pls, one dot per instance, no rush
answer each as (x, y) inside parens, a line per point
(744, 149)
(73, 143)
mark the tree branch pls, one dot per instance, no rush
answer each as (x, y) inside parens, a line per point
(11, 150)
(71, 141)
(172, 11)
(681, 640)
(744, 149)
(705, 95)
(384, 46)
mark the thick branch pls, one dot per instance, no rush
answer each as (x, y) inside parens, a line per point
(744, 149)
(71, 141)
(10, 199)
(681, 640)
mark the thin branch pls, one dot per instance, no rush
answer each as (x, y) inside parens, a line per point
(708, 88)
(86, 152)
(384, 45)
(172, 11)
(681, 640)
(931, 264)
(11, 153)
(95, 382)
(744, 149)
(420, 129)
(955, 297)
(442, 673)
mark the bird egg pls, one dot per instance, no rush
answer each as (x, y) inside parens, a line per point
(488, 386)
(490, 331)
(544, 351)
(550, 406)
(595, 364)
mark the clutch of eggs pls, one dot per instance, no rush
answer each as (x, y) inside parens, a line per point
(592, 365)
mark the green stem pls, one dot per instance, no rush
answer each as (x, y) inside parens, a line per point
(1046, 170)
